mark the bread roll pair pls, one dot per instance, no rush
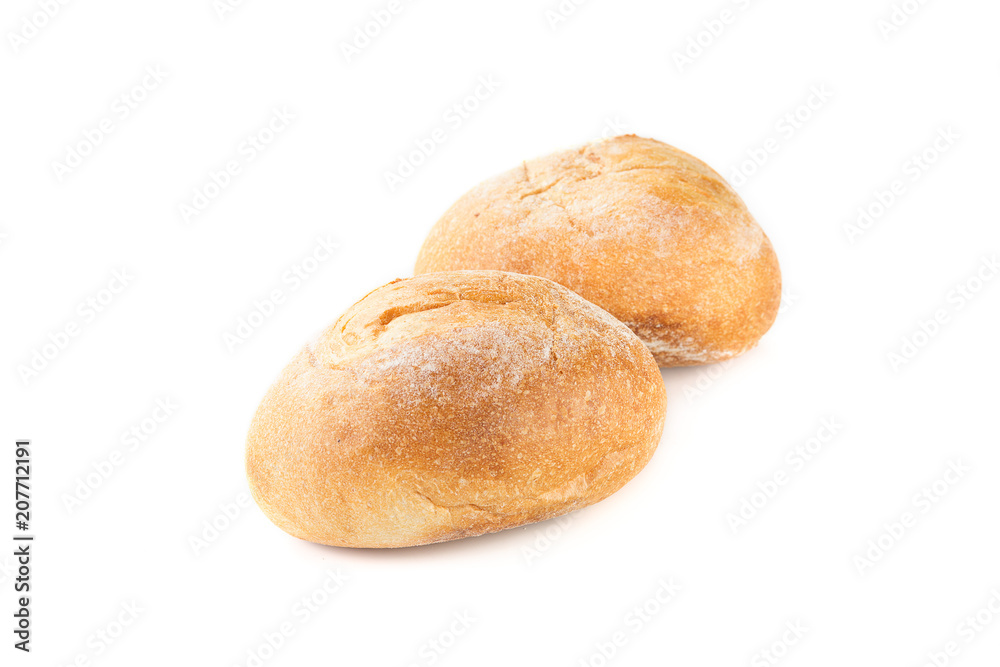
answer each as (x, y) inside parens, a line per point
(490, 391)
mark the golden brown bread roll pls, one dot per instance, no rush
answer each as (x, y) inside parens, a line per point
(454, 404)
(647, 232)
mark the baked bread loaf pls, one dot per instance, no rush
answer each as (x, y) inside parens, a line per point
(649, 233)
(450, 405)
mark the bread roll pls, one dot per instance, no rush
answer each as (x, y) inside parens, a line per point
(647, 232)
(453, 404)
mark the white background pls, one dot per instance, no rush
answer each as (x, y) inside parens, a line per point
(548, 594)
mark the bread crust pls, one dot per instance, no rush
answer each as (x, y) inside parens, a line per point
(649, 233)
(450, 405)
